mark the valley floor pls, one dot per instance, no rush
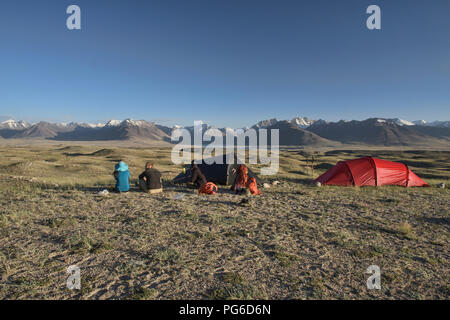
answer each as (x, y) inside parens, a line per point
(296, 241)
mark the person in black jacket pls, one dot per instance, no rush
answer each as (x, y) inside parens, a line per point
(150, 179)
(197, 177)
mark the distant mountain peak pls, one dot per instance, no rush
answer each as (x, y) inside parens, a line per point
(136, 123)
(442, 124)
(302, 122)
(127, 122)
(266, 123)
(113, 123)
(402, 122)
(90, 125)
(420, 123)
(14, 125)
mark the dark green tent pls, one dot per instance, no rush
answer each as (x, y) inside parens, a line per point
(218, 173)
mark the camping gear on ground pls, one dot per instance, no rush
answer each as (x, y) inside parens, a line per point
(104, 192)
(179, 196)
(216, 170)
(208, 188)
(369, 171)
(122, 176)
(253, 187)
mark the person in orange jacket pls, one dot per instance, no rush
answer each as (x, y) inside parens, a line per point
(241, 179)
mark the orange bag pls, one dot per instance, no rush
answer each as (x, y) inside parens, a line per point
(208, 188)
(253, 187)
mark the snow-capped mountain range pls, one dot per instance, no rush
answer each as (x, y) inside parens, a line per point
(302, 122)
(13, 124)
(441, 124)
(296, 131)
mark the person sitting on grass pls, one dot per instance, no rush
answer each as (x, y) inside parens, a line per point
(241, 179)
(150, 179)
(197, 177)
(122, 176)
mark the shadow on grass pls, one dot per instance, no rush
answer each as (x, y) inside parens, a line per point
(375, 228)
(302, 181)
(324, 166)
(220, 201)
(431, 176)
(420, 164)
(442, 221)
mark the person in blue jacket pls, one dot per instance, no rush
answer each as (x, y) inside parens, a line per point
(122, 176)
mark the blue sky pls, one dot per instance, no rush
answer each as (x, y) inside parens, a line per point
(229, 62)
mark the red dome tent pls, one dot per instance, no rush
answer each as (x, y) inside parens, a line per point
(370, 171)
